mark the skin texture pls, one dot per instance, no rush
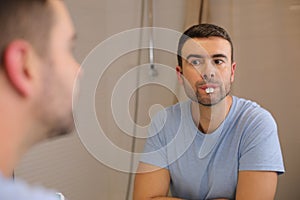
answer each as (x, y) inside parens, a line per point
(207, 63)
(57, 90)
(38, 90)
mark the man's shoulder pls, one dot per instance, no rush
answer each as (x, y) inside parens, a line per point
(251, 112)
(249, 107)
(246, 103)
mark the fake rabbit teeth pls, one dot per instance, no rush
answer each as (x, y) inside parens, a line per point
(209, 90)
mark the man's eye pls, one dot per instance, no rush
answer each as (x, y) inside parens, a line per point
(196, 62)
(218, 61)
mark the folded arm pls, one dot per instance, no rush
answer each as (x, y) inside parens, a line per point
(151, 183)
(256, 185)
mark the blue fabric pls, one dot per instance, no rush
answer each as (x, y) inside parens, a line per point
(206, 166)
(18, 190)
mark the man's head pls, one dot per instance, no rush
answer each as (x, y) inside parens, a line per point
(37, 63)
(205, 63)
(202, 31)
(30, 20)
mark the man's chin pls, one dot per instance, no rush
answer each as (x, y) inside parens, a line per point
(61, 131)
(207, 101)
(211, 101)
(206, 104)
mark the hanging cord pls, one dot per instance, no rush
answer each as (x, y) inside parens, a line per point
(150, 24)
(153, 71)
(137, 100)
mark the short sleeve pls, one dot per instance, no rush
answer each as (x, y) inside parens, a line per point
(155, 146)
(260, 148)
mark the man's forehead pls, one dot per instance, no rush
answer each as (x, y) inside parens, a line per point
(205, 46)
(192, 45)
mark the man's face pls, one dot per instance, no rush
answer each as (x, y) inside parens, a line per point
(207, 69)
(59, 73)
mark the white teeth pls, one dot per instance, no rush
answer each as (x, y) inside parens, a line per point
(209, 90)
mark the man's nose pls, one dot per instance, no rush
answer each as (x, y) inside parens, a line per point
(208, 71)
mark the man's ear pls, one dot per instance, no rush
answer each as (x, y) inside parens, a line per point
(233, 66)
(16, 64)
(179, 74)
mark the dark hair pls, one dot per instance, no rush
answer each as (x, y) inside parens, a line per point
(30, 20)
(202, 31)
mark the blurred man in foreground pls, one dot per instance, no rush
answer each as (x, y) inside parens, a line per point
(37, 75)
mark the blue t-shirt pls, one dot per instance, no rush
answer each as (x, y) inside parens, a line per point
(18, 190)
(206, 166)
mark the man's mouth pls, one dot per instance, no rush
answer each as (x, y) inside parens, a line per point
(209, 88)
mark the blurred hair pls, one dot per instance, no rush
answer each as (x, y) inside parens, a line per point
(202, 31)
(30, 20)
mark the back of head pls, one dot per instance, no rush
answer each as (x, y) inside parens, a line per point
(37, 74)
(202, 31)
(30, 20)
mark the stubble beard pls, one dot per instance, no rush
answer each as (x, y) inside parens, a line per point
(52, 112)
(62, 127)
(210, 99)
(208, 102)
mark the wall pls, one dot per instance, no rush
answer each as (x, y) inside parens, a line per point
(266, 36)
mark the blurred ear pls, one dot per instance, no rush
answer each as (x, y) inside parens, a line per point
(179, 74)
(16, 63)
(233, 66)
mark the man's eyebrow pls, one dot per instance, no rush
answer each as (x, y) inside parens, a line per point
(219, 55)
(194, 56)
(201, 56)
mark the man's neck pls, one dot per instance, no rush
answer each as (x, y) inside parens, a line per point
(209, 118)
(15, 126)
(8, 161)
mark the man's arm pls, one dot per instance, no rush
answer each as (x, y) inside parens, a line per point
(151, 182)
(256, 185)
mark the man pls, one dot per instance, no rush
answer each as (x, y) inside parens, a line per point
(37, 75)
(214, 146)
